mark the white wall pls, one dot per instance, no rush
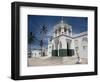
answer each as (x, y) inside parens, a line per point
(82, 53)
(36, 53)
(5, 40)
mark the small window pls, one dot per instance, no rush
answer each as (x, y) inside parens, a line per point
(84, 39)
(65, 29)
(76, 41)
(59, 29)
(56, 32)
(84, 47)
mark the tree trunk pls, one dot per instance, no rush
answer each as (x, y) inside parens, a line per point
(30, 50)
(42, 43)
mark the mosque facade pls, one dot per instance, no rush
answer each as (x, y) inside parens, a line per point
(64, 43)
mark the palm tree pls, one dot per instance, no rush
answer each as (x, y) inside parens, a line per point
(31, 39)
(42, 32)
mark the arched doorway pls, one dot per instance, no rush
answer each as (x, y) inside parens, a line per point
(70, 51)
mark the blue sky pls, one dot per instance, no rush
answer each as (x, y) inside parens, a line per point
(79, 24)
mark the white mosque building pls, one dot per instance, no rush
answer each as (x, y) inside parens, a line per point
(64, 44)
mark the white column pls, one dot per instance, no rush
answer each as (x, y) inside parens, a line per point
(58, 49)
(67, 32)
(54, 45)
(72, 44)
(57, 32)
(66, 44)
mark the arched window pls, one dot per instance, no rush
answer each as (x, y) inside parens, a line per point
(65, 29)
(68, 43)
(84, 47)
(76, 49)
(84, 39)
(59, 30)
(76, 42)
(55, 32)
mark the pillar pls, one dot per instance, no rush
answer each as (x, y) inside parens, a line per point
(72, 44)
(58, 49)
(57, 32)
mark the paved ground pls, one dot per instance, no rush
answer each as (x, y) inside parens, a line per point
(51, 61)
